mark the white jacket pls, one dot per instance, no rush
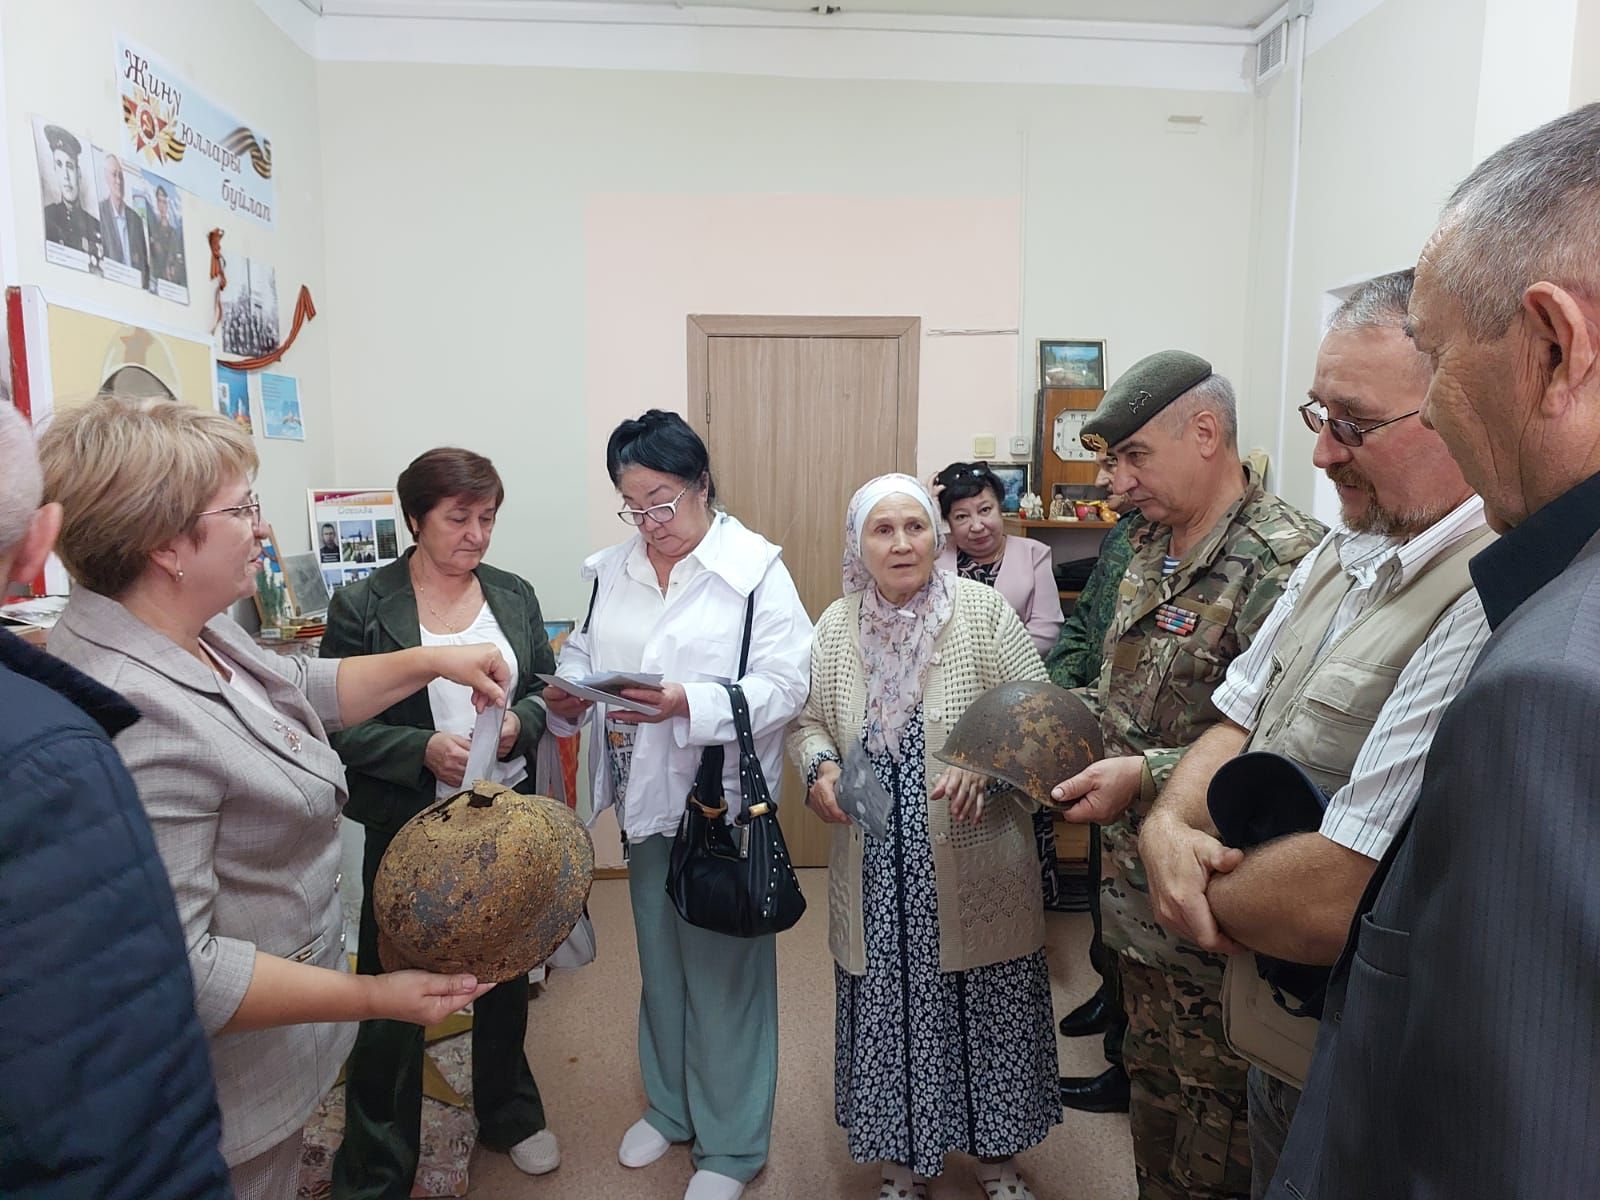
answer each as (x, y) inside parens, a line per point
(696, 644)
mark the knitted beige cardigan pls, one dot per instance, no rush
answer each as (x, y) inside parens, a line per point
(986, 875)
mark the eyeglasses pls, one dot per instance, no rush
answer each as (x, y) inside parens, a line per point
(250, 508)
(656, 514)
(1346, 433)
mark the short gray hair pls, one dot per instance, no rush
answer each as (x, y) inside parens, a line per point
(1376, 304)
(1528, 212)
(1212, 394)
(21, 484)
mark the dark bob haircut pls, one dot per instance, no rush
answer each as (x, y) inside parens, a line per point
(660, 441)
(962, 481)
(442, 474)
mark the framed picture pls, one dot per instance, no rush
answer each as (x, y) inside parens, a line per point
(557, 632)
(272, 602)
(1015, 478)
(1072, 364)
(308, 590)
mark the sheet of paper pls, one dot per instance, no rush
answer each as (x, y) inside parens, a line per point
(485, 742)
(609, 698)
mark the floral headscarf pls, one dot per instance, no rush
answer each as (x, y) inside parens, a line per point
(896, 643)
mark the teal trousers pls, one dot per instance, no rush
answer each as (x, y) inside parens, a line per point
(708, 1026)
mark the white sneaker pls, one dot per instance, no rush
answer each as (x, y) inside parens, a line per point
(642, 1145)
(708, 1185)
(537, 1155)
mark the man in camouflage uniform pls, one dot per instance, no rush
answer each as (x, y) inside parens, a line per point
(1205, 573)
(1074, 662)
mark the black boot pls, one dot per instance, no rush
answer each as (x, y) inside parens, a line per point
(1094, 1015)
(1106, 1092)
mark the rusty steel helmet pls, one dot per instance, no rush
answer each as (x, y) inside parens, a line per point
(1032, 735)
(488, 881)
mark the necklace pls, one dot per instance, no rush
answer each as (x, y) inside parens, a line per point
(448, 623)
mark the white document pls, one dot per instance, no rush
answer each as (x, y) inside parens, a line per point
(485, 742)
(604, 689)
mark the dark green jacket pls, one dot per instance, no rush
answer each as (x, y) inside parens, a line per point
(1075, 659)
(383, 757)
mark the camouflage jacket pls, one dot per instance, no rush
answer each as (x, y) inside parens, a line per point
(1074, 661)
(1162, 665)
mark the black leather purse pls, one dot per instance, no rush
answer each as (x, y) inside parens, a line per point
(715, 882)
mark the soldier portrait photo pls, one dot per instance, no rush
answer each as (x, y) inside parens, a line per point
(162, 205)
(67, 195)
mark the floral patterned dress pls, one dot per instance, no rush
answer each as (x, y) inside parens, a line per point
(928, 1061)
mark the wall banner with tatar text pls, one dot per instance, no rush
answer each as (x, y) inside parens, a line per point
(171, 128)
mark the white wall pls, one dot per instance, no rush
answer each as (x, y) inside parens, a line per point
(60, 62)
(1128, 232)
(1390, 120)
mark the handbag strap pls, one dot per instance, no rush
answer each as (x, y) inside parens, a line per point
(589, 616)
(752, 781)
(708, 779)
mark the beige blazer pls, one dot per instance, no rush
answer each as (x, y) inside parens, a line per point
(245, 809)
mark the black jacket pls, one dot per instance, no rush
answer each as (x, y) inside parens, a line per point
(107, 1078)
(384, 756)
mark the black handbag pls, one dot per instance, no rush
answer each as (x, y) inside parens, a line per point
(715, 883)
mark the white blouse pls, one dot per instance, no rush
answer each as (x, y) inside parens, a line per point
(452, 702)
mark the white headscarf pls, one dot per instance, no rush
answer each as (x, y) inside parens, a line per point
(896, 643)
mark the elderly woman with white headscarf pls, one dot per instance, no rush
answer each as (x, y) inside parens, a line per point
(944, 1038)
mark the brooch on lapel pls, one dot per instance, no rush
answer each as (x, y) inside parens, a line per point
(291, 735)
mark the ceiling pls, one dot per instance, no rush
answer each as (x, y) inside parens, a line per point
(1238, 14)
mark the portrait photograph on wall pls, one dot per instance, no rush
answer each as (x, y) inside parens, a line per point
(1072, 364)
(124, 248)
(68, 197)
(160, 202)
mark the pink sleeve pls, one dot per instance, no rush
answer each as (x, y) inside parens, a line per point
(1043, 619)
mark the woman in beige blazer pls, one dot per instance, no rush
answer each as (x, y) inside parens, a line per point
(944, 1037)
(160, 531)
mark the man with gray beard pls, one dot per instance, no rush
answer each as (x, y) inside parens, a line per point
(1345, 685)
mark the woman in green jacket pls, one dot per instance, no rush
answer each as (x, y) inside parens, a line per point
(440, 593)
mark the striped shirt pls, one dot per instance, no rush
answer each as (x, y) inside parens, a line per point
(1367, 812)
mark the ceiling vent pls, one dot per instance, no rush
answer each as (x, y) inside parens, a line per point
(1271, 51)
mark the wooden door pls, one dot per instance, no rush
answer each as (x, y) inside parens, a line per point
(798, 412)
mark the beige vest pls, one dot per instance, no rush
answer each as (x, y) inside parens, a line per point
(1318, 713)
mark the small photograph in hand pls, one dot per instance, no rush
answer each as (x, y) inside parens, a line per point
(607, 688)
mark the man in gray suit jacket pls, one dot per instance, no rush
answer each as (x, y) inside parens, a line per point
(1458, 1050)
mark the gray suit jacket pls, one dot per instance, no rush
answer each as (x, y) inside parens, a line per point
(1459, 1054)
(246, 815)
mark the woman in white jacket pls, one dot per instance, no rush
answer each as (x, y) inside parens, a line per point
(671, 600)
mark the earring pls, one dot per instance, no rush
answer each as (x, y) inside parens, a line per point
(178, 575)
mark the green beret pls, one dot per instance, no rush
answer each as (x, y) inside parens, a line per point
(1143, 390)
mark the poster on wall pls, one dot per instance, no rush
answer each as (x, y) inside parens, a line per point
(160, 203)
(67, 196)
(250, 309)
(171, 127)
(355, 531)
(280, 408)
(124, 252)
(75, 352)
(233, 396)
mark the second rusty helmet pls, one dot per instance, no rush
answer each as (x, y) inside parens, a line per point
(1032, 735)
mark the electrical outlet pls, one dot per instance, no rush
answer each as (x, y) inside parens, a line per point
(1020, 446)
(983, 447)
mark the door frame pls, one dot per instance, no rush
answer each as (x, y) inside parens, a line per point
(907, 331)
